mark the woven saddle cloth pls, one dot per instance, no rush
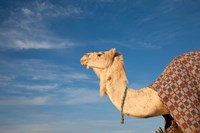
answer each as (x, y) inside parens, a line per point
(178, 87)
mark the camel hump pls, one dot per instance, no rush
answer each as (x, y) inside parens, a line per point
(178, 87)
(193, 57)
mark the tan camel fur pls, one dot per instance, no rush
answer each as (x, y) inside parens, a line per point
(109, 67)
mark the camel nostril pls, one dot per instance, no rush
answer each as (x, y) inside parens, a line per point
(82, 60)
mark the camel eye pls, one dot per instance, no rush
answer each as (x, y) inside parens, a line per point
(98, 55)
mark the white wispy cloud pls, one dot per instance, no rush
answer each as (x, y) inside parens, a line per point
(36, 69)
(104, 1)
(26, 27)
(43, 84)
(26, 11)
(61, 126)
(150, 45)
(169, 6)
(131, 43)
(63, 96)
(32, 44)
(22, 100)
(82, 96)
(46, 8)
(37, 87)
(68, 77)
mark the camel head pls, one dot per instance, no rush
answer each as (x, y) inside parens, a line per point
(98, 60)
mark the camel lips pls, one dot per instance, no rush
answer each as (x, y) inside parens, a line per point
(87, 67)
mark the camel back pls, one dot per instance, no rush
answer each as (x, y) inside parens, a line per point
(178, 86)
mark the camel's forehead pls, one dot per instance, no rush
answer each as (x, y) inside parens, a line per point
(96, 53)
(101, 52)
(102, 55)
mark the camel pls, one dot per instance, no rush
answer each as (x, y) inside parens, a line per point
(109, 67)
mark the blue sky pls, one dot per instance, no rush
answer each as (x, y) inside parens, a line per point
(43, 87)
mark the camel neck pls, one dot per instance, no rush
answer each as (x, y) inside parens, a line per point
(116, 86)
(133, 104)
(138, 103)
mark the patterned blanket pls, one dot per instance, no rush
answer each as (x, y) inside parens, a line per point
(178, 86)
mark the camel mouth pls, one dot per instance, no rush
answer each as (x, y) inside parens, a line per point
(86, 66)
(84, 62)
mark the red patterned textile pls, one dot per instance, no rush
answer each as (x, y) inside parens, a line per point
(178, 86)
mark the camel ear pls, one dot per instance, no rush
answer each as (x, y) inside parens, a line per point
(112, 52)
